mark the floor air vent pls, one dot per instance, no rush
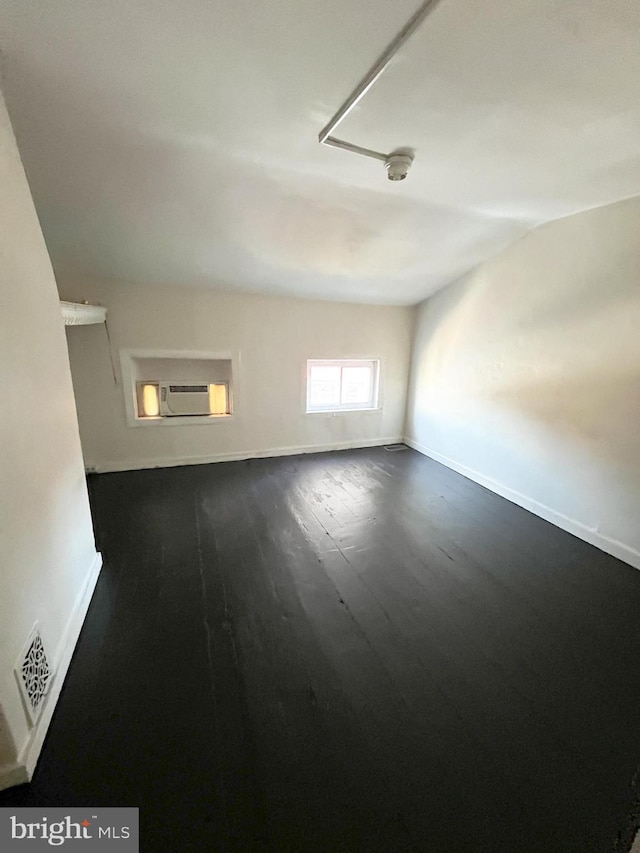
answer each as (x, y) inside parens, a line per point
(33, 672)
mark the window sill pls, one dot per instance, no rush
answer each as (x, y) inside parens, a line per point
(186, 420)
(343, 411)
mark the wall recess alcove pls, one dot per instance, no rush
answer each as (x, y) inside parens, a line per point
(177, 388)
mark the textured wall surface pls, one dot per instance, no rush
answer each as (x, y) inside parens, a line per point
(46, 536)
(527, 374)
(271, 338)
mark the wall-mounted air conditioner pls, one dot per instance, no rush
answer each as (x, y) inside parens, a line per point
(184, 399)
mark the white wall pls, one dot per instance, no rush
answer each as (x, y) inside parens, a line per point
(8, 754)
(526, 375)
(47, 549)
(271, 338)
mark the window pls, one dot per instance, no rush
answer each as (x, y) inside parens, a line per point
(342, 386)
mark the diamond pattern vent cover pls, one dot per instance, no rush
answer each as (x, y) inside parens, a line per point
(34, 674)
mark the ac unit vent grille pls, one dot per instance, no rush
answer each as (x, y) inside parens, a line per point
(34, 674)
(189, 389)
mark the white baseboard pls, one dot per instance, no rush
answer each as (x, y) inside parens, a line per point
(139, 464)
(23, 769)
(588, 534)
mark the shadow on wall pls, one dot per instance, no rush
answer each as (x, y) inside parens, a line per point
(576, 372)
(536, 384)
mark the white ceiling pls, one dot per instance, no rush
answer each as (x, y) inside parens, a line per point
(176, 142)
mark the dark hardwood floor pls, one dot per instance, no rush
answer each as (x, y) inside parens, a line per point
(354, 651)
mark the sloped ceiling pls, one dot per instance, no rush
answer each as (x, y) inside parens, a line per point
(176, 142)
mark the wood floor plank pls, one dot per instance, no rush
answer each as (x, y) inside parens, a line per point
(354, 651)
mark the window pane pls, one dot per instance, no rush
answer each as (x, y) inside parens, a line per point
(356, 385)
(324, 386)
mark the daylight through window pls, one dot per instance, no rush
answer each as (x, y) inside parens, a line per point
(345, 385)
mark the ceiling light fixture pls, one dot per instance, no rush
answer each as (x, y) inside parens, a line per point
(398, 162)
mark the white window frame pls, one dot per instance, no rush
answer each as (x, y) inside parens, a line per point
(369, 406)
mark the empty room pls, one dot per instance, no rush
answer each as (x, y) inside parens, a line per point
(320, 433)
